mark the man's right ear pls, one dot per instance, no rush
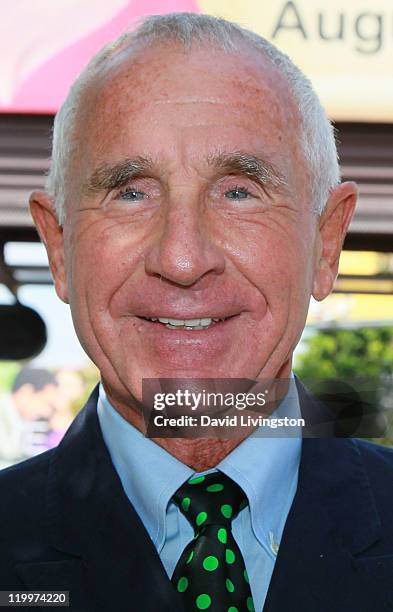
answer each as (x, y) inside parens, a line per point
(51, 233)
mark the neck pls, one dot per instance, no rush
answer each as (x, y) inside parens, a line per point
(200, 454)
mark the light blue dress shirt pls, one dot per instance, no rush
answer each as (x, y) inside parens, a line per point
(265, 467)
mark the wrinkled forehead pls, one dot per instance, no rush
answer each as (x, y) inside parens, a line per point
(168, 86)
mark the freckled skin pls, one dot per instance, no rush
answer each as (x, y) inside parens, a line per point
(187, 248)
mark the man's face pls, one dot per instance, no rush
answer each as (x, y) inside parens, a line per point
(190, 201)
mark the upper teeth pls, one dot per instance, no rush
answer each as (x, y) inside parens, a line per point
(185, 322)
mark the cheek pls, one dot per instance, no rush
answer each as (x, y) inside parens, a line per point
(276, 262)
(103, 256)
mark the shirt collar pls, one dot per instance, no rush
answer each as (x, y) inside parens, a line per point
(264, 465)
(149, 474)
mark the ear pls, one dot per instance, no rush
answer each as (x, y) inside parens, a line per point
(332, 230)
(51, 233)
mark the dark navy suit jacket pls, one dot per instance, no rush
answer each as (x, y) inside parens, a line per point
(66, 524)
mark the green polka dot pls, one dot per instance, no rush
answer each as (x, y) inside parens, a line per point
(215, 488)
(230, 586)
(246, 578)
(190, 556)
(222, 535)
(210, 563)
(182, 584)
(185, 504)
(229, 556)
(233, 609)
(203, 602)
(196, 480)
(201, 518)
(226, 510)
(250, 604)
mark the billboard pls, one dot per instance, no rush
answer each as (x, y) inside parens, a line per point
(345, 48)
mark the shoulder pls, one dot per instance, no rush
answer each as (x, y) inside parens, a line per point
(373, 451)
(21, 478)
(378, 466)
(22, 495)
(22, 515)
(376, 457)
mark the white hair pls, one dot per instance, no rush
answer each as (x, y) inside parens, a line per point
(316, 132)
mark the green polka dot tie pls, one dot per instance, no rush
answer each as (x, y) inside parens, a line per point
(210, 574)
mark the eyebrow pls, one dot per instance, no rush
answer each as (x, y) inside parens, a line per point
(107, 177)
(257, 169)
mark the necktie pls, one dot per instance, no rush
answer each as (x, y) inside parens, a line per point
(210, 574)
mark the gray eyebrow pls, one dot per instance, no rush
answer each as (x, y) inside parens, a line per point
(107, 177)
(111, 176)
(259, 170)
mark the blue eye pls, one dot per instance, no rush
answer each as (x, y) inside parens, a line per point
(239, 193)
(132, 195)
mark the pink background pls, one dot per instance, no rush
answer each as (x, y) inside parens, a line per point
(43, 89)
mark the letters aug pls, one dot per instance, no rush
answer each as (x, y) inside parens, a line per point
(365, 31)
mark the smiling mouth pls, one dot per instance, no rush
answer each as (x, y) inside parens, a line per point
(187, 324)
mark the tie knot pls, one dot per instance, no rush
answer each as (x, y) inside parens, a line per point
(214, 499)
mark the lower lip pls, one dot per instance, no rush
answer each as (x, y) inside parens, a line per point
(187, 352)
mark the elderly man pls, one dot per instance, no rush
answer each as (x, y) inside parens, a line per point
(193, 207)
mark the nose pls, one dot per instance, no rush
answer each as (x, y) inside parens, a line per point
(184, 251)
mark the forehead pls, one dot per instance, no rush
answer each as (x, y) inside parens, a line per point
(206, 98)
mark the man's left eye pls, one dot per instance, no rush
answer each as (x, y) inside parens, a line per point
(239, 193)
(132, 195)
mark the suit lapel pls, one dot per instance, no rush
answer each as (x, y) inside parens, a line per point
(111, 561)
(324, 562)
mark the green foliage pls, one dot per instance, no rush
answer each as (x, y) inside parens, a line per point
(348, 355)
